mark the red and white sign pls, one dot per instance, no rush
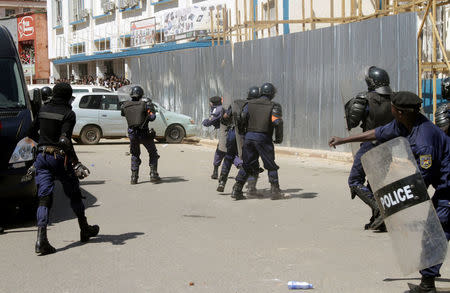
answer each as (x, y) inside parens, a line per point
(25, 28)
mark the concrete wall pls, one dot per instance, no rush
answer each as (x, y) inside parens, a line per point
(41, 48)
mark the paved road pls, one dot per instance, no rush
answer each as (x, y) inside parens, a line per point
(162, 237)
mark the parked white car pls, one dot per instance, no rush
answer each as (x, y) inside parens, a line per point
(98, 116)
(76, 88)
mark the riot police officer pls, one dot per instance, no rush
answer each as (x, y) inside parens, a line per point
(445, 86)
(57, 159)
(138, 113)
(46, 94)
(215, 104)
(231, 118)
(443, 118)
(370, 109)
(262, 118)
(431, 149)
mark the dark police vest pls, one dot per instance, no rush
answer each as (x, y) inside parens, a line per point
(51, 118)
(135, 113)
(379, 111)
(260, 112)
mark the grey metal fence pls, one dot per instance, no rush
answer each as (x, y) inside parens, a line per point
(309, 70)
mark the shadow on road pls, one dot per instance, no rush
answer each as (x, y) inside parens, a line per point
(60, 211)
(102, 238)
(413, 279)
(173, 179)
(92, 182)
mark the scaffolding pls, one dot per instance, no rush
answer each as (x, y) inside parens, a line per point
(249, 27)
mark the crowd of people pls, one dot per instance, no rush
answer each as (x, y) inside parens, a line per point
(112, 82)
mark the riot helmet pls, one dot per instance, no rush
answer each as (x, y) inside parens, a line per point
(62, 91)
(268, 90)
(253, 93)
(446, 88)
(443, 116)
(216, 100)
(136, 93)
(46, 93)
(377, 80)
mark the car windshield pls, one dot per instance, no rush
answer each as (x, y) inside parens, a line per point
(79, 90)
(12, 94)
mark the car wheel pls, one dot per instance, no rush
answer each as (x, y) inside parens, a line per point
(175, 134)
(90, 135)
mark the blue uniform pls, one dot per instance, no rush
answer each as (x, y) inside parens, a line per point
(257, 144)
(140, 136)
(357, 175)
(431, 149)
(214, 120)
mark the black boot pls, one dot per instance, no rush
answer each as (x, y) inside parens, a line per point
(275, 191)
(237, 191)
(87, 231)
(251, 187)
(154, 176)
(134, 177)
(222, 181)
(426, 286)
(215, 173)
(42, 245)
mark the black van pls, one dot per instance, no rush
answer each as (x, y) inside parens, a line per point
(16, 116)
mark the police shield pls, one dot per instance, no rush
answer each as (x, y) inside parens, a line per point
(222, 137)
(236, 108)
(416, 234)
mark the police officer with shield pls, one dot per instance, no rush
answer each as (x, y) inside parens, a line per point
(57, 159)
(232, 118)
(262, 118)
(138, 112)
(431, 149)
(216, 110)
(368, 110)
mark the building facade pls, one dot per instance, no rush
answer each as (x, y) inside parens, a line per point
(14, 7)
(98, 37)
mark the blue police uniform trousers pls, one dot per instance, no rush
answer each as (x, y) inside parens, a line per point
(218, 157)
(138, 137)
(357, 175)
(443, 213)
(231, 156)
(48, 169)
(258, 145)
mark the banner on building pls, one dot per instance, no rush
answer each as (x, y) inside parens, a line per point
(25, 28)
(143, 32)
(186, 23)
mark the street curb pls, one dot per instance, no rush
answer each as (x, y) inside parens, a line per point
(298, 152)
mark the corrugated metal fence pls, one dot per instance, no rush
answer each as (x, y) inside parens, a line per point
(310, 70)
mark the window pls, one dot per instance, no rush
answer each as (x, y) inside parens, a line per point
(77, 10)
(26, 10)
(11, 91)
(90, 102)
(9, 12)
(79, 90)
(110, 102)
(78, 48)
(102, 44)
(96, 90)
(57, 13)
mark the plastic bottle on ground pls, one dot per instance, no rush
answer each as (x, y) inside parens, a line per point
(299, 285)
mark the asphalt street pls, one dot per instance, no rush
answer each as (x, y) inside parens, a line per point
(183, 236)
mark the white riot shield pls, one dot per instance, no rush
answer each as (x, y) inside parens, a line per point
(416, 234)
(222, 137)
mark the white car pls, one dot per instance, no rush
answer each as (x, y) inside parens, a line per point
(98, 116)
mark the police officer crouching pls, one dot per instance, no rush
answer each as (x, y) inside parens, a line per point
(138, 113)
(57, 159)
(262, 117)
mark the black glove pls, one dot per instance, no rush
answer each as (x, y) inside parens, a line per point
(152, 133)
(30, 173)
(81, 171)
